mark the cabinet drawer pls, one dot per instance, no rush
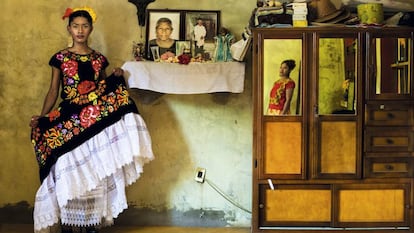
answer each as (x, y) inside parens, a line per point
(384, 139)
(381, 167)
(389, 114)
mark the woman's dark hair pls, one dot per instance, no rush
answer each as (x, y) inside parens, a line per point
(80, 13)
(290, 63)
(164, 20)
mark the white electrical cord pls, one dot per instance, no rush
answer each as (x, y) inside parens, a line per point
(226, 197)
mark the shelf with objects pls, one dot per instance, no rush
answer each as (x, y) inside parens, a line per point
(212, 64)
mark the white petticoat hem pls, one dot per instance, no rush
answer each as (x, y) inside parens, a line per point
(86, 186)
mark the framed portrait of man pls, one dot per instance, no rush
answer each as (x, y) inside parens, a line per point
(201, 27)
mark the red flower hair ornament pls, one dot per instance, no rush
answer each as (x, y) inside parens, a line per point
(69, 11)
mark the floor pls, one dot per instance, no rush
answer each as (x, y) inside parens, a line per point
(29, 228)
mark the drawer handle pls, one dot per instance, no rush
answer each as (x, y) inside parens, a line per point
(261, 206)
(390, 116)
(389, 141)
(389, 167)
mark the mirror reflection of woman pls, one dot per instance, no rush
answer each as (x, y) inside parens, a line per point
(282, 90)
(163, 31)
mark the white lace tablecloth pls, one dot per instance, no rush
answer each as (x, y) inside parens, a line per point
(194, 78)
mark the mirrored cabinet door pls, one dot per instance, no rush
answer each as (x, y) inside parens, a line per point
(336, 106)
(280, 115)
(390, 63)
(282, 59)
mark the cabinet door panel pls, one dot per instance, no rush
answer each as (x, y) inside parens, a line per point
(277, 51)
(296, 205)
(375, 205)
(338, 147)
(371, 205)
(390, 62)
(283, 149)
(337, 75)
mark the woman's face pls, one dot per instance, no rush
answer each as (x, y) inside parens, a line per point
(80, 29)
(163, 31)
(284, 70)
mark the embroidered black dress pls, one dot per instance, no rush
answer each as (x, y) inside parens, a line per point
(89, 148)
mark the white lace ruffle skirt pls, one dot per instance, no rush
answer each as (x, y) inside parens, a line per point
(86, 186)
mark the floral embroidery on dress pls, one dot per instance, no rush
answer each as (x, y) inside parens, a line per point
(77, 123)
(75, 89)
(95, 99)
(89, 115)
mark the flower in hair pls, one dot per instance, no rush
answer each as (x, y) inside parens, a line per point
(85, 8)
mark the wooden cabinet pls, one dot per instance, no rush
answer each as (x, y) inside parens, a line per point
(342, 159)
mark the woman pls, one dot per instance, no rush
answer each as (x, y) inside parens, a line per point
(282, 91)
(92, 145)
(163, 31)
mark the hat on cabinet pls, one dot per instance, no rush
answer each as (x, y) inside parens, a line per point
(324, 11)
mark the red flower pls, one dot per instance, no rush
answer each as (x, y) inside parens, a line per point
(184, 59)
(97, 65)
(86, 87)
(67, 13)
(53, 115)
(76, 130)
(70, 68)
(88, 115)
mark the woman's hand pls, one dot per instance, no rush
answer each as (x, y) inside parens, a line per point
(34, 121)
(118, 72)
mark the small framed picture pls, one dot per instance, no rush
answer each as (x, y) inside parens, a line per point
(162, 23)
(182, 46)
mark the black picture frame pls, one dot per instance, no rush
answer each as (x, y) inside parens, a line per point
(211, 21)
(152, 17)
(183, 23)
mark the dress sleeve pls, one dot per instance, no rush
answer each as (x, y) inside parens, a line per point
(54, 61)
(290, 85)
(104, 62)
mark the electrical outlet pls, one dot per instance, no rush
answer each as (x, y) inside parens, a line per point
(200, 174)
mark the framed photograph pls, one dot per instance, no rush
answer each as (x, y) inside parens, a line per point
(155, 16)
(181, 46)
(210, 20)
(201, 27)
